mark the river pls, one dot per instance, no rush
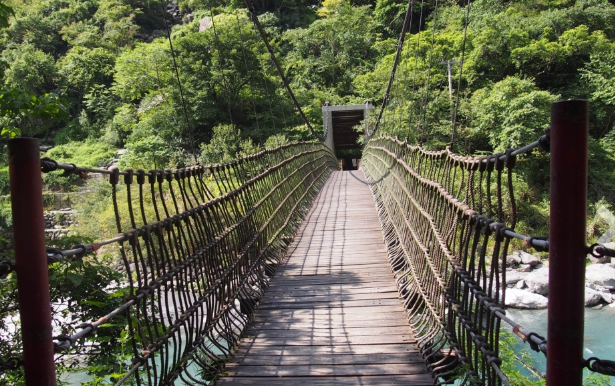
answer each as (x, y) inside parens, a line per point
(599, 333)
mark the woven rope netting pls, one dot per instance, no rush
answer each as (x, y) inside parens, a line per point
(443, 218)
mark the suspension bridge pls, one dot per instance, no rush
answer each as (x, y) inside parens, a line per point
(280, 269)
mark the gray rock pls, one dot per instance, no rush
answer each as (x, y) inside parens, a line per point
(538, 281)
(530, 259)
(592, 297)
(607, 297)
(204, 24)
(520, 284)
(513, 259)
(524, 268)
(600, 274)
(517, 298)
(512, 277)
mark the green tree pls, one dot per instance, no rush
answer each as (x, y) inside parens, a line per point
(511, 113)
(223, 146)
(82, 68)
(599, 74)
(333, 50)
(29, 68)
(19, 109)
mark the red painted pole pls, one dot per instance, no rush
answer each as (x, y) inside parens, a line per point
(567, 242)
(31, 261)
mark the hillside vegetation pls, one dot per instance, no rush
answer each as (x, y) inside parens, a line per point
(89, 77)
(104, 69)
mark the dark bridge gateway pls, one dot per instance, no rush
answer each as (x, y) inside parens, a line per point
(341, 135)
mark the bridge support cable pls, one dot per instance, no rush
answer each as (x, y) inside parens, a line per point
(416, 65)
(179, 83)
(463, 54)
(426, 102)
(415, 101)
(249, 72)
(263, 35)
(221, 66)
(400, 45)
(198, 246)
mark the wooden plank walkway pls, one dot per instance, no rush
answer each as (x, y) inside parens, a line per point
(331, 315)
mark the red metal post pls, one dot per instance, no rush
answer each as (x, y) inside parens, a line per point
(567, 242)
(31, 261)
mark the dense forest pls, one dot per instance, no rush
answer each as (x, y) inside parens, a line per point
(91, 77)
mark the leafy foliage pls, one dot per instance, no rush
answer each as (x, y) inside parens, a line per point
(93, 76)
(511, 113)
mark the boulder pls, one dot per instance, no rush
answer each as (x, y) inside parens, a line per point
(527, 258)
(607, 297)
(524, 268)
(538, 281)
(520, 284)
(600, 274)
(512, 277)
(513, 259)
(205, 24)
(517, 298)
(592, 297)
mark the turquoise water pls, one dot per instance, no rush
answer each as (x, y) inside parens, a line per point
(79, 377)
(599, 333)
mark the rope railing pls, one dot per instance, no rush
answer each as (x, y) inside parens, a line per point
(438, 245)
(447, 240)
(447, 231)
(198, 245)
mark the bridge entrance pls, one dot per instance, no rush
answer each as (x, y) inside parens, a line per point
(341, 134)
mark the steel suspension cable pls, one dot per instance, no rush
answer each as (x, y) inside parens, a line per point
(433, 37)
(220, 64)
(259, 27)
(179, 83)
(405, 73)
(463, 52)
(416, 63)
(271, 115)
(245, 62)
(400, 44)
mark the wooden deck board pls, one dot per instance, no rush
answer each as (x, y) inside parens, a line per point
(332, 315)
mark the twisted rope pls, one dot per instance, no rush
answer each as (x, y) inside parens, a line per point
(197, 270)
(449, 258)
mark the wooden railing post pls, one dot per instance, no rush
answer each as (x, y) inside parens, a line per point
(567, 242)
(31, 261)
